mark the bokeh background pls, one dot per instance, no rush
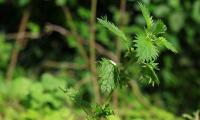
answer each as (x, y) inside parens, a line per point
(44, 44)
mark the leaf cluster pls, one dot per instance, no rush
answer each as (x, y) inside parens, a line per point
(152, 39)
(93, 111)
(146, 48)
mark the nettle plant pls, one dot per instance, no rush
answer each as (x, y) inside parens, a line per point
(143, 50)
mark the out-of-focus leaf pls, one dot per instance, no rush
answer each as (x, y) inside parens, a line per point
(190, 35)
(61, 2)
(196, 11)
(34, 28)
(84, 30)
(36, 90)
(23, 2)
(2, 1)
(113, 117)
(84, 13)
(161, 10)
(50, 82)
(103, 36)
(20, 87)
(72, 42)
(5, 50)
(176, 21)
(174, 3)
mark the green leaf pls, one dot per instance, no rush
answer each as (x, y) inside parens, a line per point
(161, 10)
(176, 21)
(50, 82)
(36, 89)
(102, 111)
(5, 50)
(196, 11)
(114, 29)
(108, 75)
(147, 17)
(113, 117)
(23, 3)
(2, 1)
(162, 42)
(20, 87)
(61, 2)
(84, 13)
(34, 29)
(159, 27)
(103, 37)
(146, 51)
(75, 97)
(149, 73)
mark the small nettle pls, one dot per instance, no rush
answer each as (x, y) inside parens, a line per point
(144, 48)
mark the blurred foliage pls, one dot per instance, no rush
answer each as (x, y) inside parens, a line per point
(34, 92)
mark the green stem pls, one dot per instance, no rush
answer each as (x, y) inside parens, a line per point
(92, 49)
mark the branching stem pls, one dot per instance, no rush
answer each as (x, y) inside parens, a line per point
(18, 44)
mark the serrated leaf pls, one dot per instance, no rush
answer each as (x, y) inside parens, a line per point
(159, 27)
(102, 111)
(114, 29)
(75, 97)
(146, 51)
(149, 73)
(162, 42)
(147, 17)
(107, 74)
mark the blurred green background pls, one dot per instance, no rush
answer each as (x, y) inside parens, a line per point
(44, 45)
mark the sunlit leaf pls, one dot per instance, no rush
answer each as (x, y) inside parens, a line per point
(107, 75)
(114, 29)
(162, 42)
(145, 49)
(147, 17)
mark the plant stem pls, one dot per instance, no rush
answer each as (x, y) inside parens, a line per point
(118, 47)
(121, 24)
(138, 94)
(18, 44)
(55, 28)
(92, 49)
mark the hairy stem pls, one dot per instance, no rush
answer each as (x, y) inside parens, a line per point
(121, 24)
(118, 47)
(18, 44)
(92, 49)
